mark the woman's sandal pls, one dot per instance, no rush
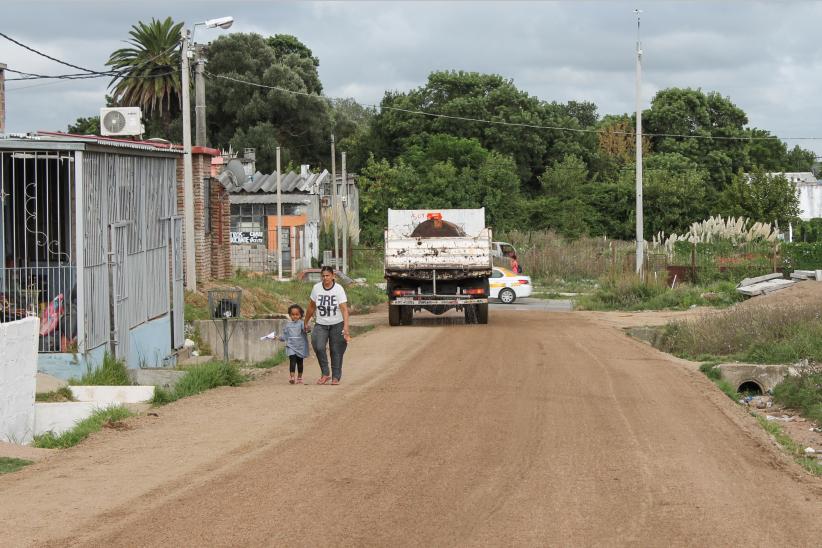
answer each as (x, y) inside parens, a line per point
(324, 379)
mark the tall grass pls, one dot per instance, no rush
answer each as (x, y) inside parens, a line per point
(629, 292)
(778, 334)
(199, 379)
(83, 428)
(112, 372)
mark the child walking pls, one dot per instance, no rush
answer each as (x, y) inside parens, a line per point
(296, 343)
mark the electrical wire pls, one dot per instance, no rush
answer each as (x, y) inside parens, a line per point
(516, 124)
(24, 46)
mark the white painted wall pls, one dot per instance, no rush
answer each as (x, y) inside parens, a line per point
(810, 200)
(112, 395)
(18, 374)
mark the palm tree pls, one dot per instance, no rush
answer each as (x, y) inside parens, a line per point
(149, 72)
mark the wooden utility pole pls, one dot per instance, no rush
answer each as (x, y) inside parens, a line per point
(279, 239)
(2, 98)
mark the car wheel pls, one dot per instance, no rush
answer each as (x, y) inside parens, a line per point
(507, 295)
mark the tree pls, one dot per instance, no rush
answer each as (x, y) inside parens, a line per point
(300, 122)
(761, 196)
(455, 98)
(149, 71)
(85, 126)
(439, 171)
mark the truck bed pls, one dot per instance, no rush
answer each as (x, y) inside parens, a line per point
(455, 253)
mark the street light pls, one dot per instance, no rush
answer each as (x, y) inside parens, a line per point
(188, 183)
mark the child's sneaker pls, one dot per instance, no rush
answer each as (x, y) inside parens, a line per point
(291, 380)
(299, 380)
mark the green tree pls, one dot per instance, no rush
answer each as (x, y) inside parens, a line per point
(761, 196)
(149, 70)
(85, 126)
(300, 122)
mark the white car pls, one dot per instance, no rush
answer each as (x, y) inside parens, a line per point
(507, 286)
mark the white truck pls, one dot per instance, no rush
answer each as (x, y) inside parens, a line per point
(437, 260)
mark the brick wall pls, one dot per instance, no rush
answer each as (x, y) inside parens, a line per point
(212, 250)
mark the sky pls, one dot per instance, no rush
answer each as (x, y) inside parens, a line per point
(764, 56)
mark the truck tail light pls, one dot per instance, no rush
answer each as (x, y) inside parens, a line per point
(402, 292)
(476, 291)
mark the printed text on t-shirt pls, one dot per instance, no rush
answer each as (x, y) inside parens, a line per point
(327, 305)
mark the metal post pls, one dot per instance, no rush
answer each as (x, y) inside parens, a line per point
(640, 237)
(225, 339)
(279, 221)
(345, 218)
(199, 101)
(334, 198)
(188, 183)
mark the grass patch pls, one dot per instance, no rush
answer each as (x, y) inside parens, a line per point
(796, 451)
(356, 330)
(273, 361)
(199, 379)
(59, 395)
(83, 428)
(112, 372)
(749, 334)
(711, 371)
(196, 306)
(8, 464)
(631, 293)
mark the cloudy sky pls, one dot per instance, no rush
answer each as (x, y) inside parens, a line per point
(765, 56)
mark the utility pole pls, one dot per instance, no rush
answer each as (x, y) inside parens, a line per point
(199, 100)
(188, 183)
(279, 221)
(345, 217)
(640, 237)
(2, 98)
(334, 199)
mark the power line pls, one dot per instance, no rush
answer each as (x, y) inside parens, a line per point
(516, 124)
(24, 46)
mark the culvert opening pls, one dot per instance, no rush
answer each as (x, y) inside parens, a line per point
(750, 388)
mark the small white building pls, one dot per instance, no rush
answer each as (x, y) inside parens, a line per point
(809, 190)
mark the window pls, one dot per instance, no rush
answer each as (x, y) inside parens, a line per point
(496, 273)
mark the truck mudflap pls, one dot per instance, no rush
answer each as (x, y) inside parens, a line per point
(429, 301)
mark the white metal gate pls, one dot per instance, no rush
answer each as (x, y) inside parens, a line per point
(118, 296)
(177, 296)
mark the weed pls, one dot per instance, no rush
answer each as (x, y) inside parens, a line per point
(802, 392)
(8, 464)
(112, 372)
(356, 330)
(82, 429)
(795, 450)
(628, 292)
(199, 379)
(59, 395)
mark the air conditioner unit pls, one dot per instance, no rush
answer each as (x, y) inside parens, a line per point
(121, 121)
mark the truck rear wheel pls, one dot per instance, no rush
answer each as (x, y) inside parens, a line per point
(406, 315)
(393, 314)
(470, 311)
(482, 313)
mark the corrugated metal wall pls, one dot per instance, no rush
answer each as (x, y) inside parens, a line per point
(129, 203)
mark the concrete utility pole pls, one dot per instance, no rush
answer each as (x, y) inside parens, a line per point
(279, 221)
(345, 217)
(334, 199)
(640, 237)
(188, 183)
(199, 100)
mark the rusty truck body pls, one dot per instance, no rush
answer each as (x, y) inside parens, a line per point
(437, 260)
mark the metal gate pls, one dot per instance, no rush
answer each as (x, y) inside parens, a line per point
(177, 296)
(118, 294)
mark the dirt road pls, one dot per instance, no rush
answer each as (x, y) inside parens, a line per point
(538, 429)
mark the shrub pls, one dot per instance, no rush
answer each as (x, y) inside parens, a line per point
(199, 379)
(802, 392)
(112, 372)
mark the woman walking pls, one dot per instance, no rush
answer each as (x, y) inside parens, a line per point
(329, 301)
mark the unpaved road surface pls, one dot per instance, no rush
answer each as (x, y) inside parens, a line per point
(537, 429)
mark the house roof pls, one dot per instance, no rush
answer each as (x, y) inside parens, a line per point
(805, 177)
(48, 140)
(235, 180)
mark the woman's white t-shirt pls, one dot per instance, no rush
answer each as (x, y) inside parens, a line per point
(328, 303)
